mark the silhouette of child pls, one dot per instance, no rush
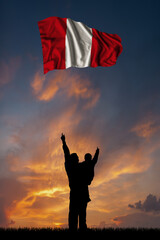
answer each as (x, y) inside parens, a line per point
(88, 167)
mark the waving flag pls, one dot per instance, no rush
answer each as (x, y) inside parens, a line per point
(67, 43)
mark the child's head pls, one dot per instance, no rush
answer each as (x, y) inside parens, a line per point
(88, 157)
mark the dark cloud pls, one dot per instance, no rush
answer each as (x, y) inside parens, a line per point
(150, 204)
(139, 220)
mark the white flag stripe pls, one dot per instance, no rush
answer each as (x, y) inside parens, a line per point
(78, 43)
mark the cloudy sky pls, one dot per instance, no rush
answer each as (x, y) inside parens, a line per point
(115, 108)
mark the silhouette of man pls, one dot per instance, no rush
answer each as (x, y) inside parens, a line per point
(78, 183)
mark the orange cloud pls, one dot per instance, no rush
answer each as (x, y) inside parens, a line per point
(68, 85)
(37, 82)
(145, 129)
(128, 160)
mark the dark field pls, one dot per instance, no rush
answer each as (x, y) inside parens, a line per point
(49, 232)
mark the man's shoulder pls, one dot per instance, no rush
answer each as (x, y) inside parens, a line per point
(85, 164)
(82, 164)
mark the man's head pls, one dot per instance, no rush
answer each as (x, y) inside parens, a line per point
(74, 158)
(88, 157)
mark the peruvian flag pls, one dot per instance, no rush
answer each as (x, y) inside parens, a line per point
(67, 43)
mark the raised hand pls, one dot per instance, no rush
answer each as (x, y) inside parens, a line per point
(63, 137)
(97, 150)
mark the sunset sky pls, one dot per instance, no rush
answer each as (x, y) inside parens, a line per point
(116, 109)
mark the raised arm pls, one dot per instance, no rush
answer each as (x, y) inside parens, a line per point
(95, 158)
(65, 148)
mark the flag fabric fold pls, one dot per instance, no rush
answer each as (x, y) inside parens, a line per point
(67, 43)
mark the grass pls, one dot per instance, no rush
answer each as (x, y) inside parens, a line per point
(49, 232)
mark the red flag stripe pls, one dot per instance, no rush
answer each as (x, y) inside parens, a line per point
(53, 32)
(105, 48)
